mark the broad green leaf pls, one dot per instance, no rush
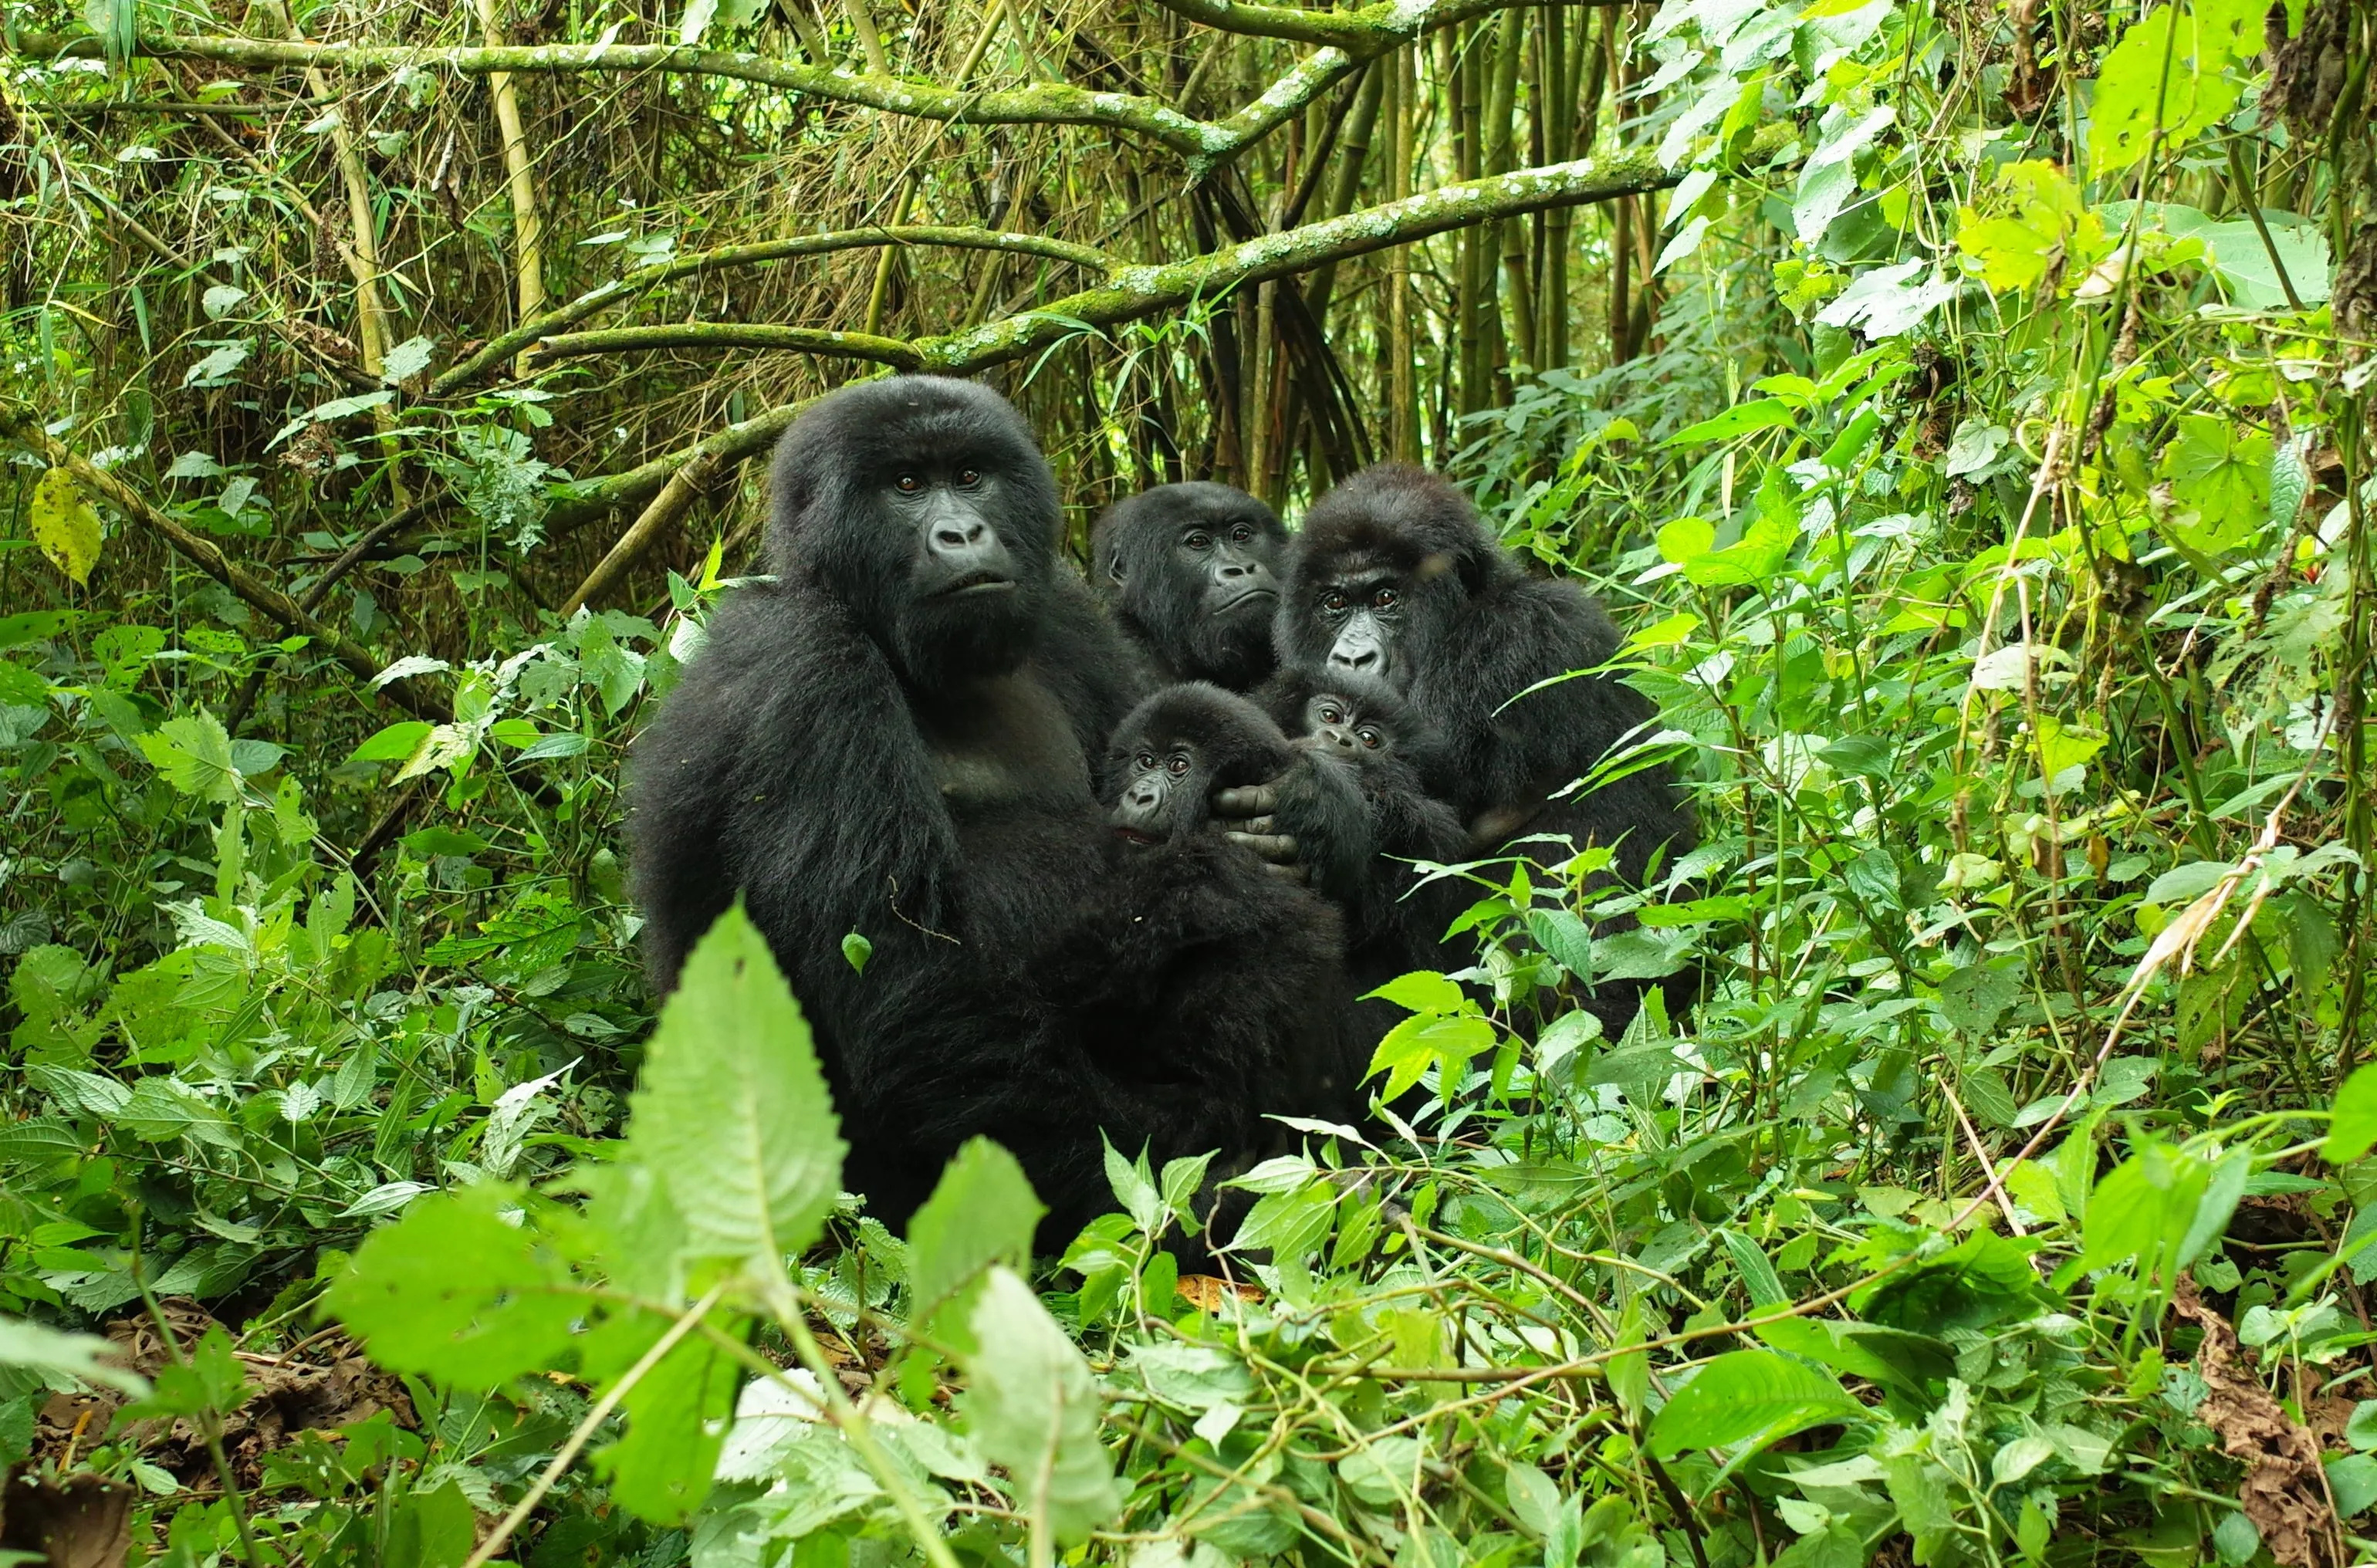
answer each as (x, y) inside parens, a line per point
(453, 1291)
(394, 743)
(64, 525)
(193, 753)
(2168, 71)
(161, 1109)
(64, 1360)
(2219, 474)
(1034, 1411)
(677, 1414)
(1423, 990)
(1983, 1281)
(1865, 1350)
(732, 1113)
(2353, 1130)
(1411, 1046)
(1764, 413)
(208, 1378)
(405, 361)
(983, 1212)
(1749, 1396)
(2143, 1209)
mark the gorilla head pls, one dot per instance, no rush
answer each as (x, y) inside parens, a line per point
(1363, 721)
(924, 504)
(1175, 749)
(1384, 564)
(1190, 571)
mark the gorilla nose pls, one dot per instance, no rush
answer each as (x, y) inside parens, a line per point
(1252, 573)
(1363, 659)
(1342, 739)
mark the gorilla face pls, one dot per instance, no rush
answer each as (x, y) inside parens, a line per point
(1339, 722)
(922, 504)
(1175, 749)
(1193, 571)
(1360, 607)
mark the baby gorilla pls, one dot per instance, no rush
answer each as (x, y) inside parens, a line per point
(1395, 921)
(1163, 763)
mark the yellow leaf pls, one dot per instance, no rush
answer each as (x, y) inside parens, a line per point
(65, 526)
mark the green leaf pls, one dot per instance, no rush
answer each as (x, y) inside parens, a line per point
(1764, 546)
(64, 1360)
(2168, 71)
(1423, 990)
(677, 1415)
(1411, 1046)
(394, 743)
(1766, 414)
(1749, 1396)
(2353, 1130)
(64, 525)
(733, 1114)
(1891, 1356)
(452, 1291)
(983, 1212)
(162, 1108)
(1034, 1405)
(210, 1379)
(430, 1529)
(193, 753)
(2219, 474)
(1983, 1281)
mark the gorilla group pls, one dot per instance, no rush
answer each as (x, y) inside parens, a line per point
(1102, 906)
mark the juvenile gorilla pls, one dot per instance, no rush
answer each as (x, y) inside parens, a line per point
(1393, 579)
(1192, 573)
(895, 740)
(1396, 921)
(1163, 763)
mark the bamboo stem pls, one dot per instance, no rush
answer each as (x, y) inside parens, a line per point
(528, 230)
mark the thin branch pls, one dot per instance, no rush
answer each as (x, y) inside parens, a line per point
(528, 231)
(676, 497)
(733, 335)
(24, 426)
(500, 350)
(1369, 31)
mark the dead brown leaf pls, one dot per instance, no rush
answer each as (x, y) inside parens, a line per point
(2285, 1491)
(1206, 1292)
(80, 1522)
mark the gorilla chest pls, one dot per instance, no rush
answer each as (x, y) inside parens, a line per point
(1001, 741)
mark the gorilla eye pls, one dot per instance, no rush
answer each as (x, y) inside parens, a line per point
(1176, 764)
(907, 484)
(1241, 534)
(1198, 541)
(1330, 715)
(1146, 760)
(1385, 598)
(1370, 739)
(1334, 600)
(969, 477)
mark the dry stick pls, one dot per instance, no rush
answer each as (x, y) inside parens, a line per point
(594, 1418)
(528, 232)
(676, 497)
(881, 292)
(21, 425)
(1981, 1153)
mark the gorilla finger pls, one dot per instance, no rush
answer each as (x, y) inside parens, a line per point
(1245, 800)
(1293, 873)
(1278, 848)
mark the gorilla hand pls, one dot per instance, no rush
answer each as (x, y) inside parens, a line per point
(1246, 816)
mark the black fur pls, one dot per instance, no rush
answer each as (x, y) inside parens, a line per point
(1164, 594)
(1469, 630)
(849, 755)
(1294, 937)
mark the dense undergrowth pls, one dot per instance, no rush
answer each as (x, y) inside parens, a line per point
(1987, 518)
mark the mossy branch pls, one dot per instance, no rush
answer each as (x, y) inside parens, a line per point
(867, 346)
(500, 350)
(1131, 293)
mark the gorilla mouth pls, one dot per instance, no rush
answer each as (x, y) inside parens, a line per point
(975, 583)
(1251, 596)
(1133, 835)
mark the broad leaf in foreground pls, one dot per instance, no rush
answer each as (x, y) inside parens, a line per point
(983, 1212)
(733, 1114)
(1752, 1396)
(1035, 1407)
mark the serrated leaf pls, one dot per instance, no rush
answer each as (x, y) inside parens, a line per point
(193, 753)
(405, 361)
(65, 526)
(1748, 1396)
(452, 1291)
(733, 1114)
(161, 1109)
(1034, 1405)
(982, 1212)
(677, 1414)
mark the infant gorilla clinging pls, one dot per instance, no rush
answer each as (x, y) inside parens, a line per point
(1165, 761)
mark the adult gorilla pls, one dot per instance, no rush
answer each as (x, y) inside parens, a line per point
(1394, 578)
(1192, 573)
(894, 740)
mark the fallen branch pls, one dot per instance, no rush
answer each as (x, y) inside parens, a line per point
(22, 425)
